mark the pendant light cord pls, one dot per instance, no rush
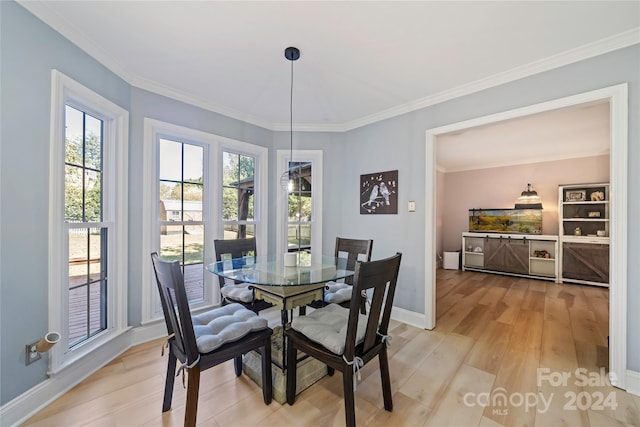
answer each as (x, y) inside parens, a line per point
(291, 123)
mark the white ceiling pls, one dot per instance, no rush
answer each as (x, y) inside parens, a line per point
(360, 61)
(580, 131)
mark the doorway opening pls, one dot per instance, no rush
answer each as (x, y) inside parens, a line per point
(616, 96)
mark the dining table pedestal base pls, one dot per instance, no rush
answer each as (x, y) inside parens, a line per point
(309, 369)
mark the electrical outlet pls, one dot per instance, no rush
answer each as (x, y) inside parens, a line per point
(30, 353)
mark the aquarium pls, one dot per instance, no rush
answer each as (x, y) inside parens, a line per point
(521, 221)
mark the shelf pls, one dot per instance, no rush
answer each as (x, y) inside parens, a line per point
(537, 258)
(587, 202)
(583, 258)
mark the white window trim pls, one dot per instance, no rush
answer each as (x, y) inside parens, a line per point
(315, 157)
(212, 199)
(115, 158)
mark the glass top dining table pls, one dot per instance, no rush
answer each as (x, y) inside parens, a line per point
(271, 271)
(284, 287)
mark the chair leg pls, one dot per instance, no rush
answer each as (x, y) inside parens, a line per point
(168, 384)
(193, 385)
(349, 400)
(237, 365)
(292, 368)
(267, 385)
(330, 371)
(386, 380)
(302, 310)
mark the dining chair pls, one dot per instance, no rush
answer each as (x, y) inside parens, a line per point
(208, 339)
(345, 339)
(239, 292)
(340, 292)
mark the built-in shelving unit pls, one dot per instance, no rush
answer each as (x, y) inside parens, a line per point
(583, 212)
(521, 255)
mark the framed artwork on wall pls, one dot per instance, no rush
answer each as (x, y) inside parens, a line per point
(379, 193)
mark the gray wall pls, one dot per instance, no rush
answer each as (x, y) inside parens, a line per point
(30, 50)
(399, 143)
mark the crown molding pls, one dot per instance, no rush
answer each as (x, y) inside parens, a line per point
(600, 47)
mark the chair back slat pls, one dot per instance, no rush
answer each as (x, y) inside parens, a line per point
(236, 248)
(170, 281)
(356, 250)
(380, 279)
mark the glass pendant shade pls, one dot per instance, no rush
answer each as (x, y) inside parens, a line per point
(286, 181)
(529, 199)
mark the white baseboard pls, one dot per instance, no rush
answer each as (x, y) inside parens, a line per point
(633, 382)
(28, 403)
(409, 317)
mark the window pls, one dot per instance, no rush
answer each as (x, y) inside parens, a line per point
(87, 225)
(181, 222)
(88, 235)
(198, 187)
(299, 208)
(237, 195)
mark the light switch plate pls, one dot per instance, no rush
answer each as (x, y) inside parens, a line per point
(412, 206)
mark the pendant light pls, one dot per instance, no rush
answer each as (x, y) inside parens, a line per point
(529, 199)
(286, 179)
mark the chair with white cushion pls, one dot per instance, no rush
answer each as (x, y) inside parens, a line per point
(207, 339)
(238, 292)
(345, 339)
(340, 292)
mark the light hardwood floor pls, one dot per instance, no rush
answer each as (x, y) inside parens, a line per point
(493, 334)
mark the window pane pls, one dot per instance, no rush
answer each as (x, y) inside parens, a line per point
(168, 190)
(193, 157)
(78, 328)
(251, 201)
(93, 143)
(93, 196)
(95, 312)
(246, 168)
(193, 244)
(230, 168)
(73, 136)
(95, 255)
(193, 192)
(170, 160)
(171, 242)
(229, 204)
(73, 211)
(78, 256)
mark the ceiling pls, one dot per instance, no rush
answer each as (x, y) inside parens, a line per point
(360, 62)
(572, 132)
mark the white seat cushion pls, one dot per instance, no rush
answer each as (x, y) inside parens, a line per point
(238, 292)
(337, 292)
(328, 326)
(225, 324)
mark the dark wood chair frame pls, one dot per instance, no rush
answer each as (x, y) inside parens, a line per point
(183, 347)
(381, 278)
(353, 248)
(238, 248)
